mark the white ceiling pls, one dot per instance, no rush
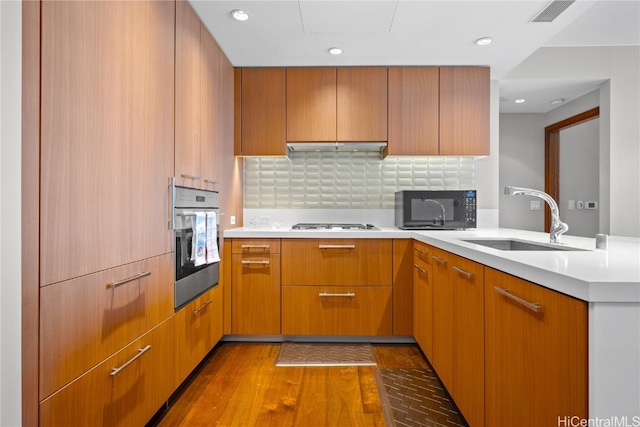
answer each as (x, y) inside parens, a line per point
(421, 32)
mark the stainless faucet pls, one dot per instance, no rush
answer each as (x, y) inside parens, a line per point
(557, 227)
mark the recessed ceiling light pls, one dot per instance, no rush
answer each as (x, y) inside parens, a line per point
(483, 41)
(519, 101)
(335, 51)
(239, 15)
(558, 101)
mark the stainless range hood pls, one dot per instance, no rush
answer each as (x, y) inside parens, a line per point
(335, 146)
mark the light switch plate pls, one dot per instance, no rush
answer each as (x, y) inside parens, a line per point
(232, 219)
(572, 205)
(535, 205)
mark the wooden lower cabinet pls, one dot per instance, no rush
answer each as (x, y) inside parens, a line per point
(83, 321)
(198, 330)
(255, 288)
(467, 279)
(443, 313)
(127, 397)
(422, 300)
(337, 310)
(536, 353)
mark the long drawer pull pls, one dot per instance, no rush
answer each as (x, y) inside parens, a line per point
(141, 351)
(438, 260)
(464, 273)
(195, 312)
(421, 270)
(114, 285)
(193, 177)
(421, 252)
(537, 308)
(266, 247)
(327, 294)
(251, 261)
(336, 246)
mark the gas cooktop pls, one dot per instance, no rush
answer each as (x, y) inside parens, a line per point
(332, 226)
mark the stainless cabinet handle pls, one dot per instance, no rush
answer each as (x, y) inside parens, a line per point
(141, 351)
(438, 260)
(326, 294)
(265, 247)
(537, 308)
(193, 177)
(252, 261)
(211, 181)
(114, 285)
(421, 270)
(172, 203)
(195, 312)
(464, 273)
(421, 252)
(336, 246)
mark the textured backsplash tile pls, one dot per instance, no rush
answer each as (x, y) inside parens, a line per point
(358, 180)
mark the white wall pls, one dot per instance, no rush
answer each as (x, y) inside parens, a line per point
(619, 112)
(10, 274)
(521, 165)
(579, 177)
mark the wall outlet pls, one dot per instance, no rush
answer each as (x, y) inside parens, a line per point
(535, 205)
(580, 204)
(232, 219)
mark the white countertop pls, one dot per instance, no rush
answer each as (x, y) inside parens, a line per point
(592, 275)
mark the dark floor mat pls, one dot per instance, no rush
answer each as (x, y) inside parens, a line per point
(325, 354)
(415, 397)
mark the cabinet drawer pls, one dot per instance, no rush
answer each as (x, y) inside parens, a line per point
(322, 310)
(255, 294)
(129, 397)
(197, 331)
(85, 320)
(255, 246)
(337, 262)
(422, 251)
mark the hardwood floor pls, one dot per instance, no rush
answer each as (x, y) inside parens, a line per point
(240, 386)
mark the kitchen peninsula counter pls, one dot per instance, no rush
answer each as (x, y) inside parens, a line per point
(590, 274)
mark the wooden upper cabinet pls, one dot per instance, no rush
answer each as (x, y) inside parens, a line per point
(464, 111)
(337, 104)
(187, 94)
(414, 102)
(361, 104)
(107, 126)
(263, 112)
(211, 125)
(311, 104)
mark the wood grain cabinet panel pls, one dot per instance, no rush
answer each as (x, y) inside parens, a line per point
(311, 104)
(129, 397)
(443, 314)
(467, 278)
(464, 111)
(327, 310)
(422, 299)
(188, 94)
(107, 125)
(337, 262)
(198, 329)
(361, 104)
(402, 287)
(85, 320)
(256, 294)
(413, 112)
(263, 112)
(536, 361)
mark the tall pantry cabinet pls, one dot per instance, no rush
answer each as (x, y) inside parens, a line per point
(100, 90)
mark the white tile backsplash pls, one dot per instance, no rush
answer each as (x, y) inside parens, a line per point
(358, 180)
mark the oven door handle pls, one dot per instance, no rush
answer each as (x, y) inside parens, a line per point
(172, 203)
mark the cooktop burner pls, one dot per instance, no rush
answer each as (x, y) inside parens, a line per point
(332, 226)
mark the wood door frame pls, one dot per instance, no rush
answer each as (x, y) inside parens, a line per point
(552, 155)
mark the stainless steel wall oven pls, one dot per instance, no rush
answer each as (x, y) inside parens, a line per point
(187, 205)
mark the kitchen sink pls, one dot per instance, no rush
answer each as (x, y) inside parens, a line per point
(519, 245)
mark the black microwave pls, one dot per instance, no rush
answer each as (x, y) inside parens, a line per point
(435, 209)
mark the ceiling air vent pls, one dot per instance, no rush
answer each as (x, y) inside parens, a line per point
(552, 10)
